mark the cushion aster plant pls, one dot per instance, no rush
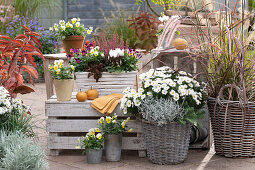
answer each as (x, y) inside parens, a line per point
(168, 84)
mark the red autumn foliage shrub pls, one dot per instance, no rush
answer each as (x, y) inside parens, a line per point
(146, 28)
(16, 57)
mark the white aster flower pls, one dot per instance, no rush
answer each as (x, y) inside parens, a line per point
(149, 94)
(140, 90)
(137, 102)
(129, 103)
(164, 92)
(172, 92)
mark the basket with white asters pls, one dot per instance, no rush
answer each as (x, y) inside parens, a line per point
(163, 90)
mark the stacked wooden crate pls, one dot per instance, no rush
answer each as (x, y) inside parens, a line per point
(67, 121)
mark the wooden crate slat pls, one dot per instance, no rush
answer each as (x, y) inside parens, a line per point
(72, 125)
(121, 82)
(73, 108)
(128, 143)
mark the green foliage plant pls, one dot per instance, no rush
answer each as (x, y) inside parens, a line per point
(119, 24)
(111, 125)
(31, 8)
(17, 151)
(15, 116)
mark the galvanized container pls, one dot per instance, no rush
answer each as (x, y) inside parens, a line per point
(113, 145)
(94, 156)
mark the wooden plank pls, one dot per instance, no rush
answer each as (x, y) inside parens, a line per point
(128, 143)
(77, 109)
(79, 125)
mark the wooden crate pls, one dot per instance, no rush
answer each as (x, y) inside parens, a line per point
(109, 82)
(67, 121)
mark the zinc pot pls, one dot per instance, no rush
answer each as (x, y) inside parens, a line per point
(167, 144)
(113, 145)
(94, 156)
(109, 82)
(73, 41)
(64, 89)
(233, 131)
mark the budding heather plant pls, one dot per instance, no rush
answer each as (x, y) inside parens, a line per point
(107, 44)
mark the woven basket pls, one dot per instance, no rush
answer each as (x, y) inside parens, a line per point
(234, 134)
(168, 144)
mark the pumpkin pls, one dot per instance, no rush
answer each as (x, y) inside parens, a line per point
(180, 44)
(92, 94)
(81, 96)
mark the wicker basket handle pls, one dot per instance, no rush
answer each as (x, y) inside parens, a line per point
(238, 90)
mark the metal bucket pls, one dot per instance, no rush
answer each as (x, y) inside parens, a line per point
(94, 156)
(113, 145)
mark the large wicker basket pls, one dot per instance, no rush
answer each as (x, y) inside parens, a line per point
(168, 144)
(234, 132)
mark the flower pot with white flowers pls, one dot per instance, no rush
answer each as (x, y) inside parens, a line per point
(63, 80)
(72, 33)
(112, 130)
(93, 145)
(108, 74)
(168, 103)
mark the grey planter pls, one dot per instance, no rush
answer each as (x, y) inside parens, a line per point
(94, 156)
(113, 145)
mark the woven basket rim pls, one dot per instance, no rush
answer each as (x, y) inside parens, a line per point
(229, 101)
(148, 122)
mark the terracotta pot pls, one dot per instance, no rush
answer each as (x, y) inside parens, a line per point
(73, 41)
(64, 89)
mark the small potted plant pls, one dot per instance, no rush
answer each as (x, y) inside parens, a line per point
(93, 144)
(63, 80)
(112, 130)
(169, 102)
(118, 69)
(72, 33)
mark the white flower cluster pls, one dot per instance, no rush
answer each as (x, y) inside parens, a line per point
(131, 98)
(164, 82)
(163, 18)
(8, 105)
(116, 53)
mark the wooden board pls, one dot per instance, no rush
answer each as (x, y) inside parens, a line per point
(78, 125)
(62, 142)
(74, 109)
(108, 83)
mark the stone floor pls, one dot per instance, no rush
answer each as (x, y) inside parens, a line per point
(197, 159)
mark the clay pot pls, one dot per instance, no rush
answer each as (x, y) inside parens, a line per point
(73, 41)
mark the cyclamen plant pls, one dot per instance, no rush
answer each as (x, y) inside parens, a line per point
(59, 72)
(165, 83)
(120, 60)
